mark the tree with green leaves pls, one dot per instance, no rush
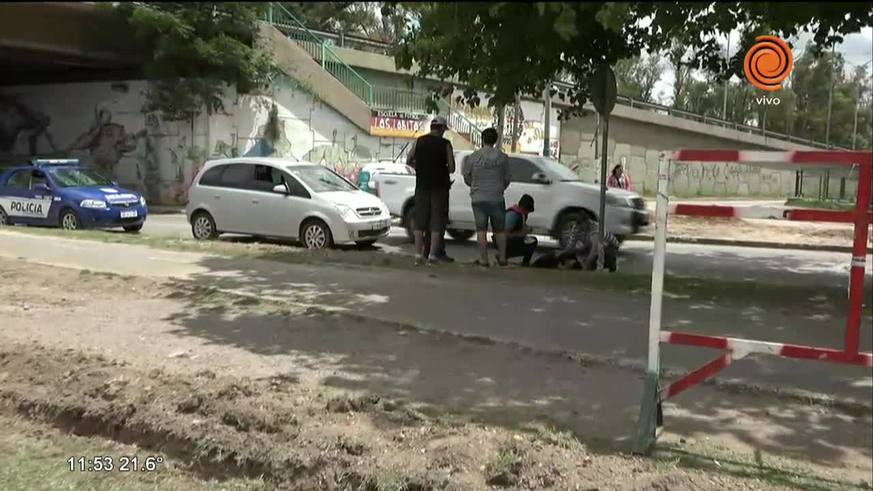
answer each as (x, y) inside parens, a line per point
(196, 51)
(503, 48)
(636, 77)
(380, 21)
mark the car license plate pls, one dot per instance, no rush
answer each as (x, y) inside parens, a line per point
(128, 214)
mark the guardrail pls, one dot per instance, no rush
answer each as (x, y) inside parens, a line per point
(285, 21)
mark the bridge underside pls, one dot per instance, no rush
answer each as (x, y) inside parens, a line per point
(63, 42)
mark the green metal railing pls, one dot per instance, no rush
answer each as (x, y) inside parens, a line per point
(387, 98)
(320, 51)
(400, 100)
(458, 122)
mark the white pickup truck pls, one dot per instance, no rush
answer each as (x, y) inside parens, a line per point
(560, 196)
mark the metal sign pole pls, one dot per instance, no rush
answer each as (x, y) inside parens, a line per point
(601, 223)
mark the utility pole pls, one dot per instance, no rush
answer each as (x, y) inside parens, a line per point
(727, 56)
(501, 123)
(547, 120)
(516, 122)
(827, 177)
(857, 105)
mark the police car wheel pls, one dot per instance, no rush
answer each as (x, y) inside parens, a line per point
(203, 226)
(4, 218)
(316, 235)
(70, 221)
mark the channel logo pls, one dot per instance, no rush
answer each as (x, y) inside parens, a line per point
(768, 63)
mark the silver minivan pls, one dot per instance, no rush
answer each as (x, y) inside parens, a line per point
(274, 197)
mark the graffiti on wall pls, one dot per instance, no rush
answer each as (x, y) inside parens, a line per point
(19, 121)
(104, 125)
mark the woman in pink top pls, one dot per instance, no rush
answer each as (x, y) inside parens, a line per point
(619, 179)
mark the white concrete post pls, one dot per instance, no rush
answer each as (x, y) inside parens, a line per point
(661, 207)
(650, 407)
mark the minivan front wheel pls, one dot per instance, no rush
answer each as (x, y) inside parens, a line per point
(203, 226)
(315, 234)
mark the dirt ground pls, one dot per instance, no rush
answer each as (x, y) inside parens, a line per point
(233, 392)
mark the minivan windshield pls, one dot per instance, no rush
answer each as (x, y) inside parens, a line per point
(72, 177)
(321, 179)
(563, 173)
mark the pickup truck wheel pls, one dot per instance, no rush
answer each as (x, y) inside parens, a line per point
(565, 225)
(409, 224)
(461, 235)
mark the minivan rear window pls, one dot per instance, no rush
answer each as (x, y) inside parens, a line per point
(212, 177)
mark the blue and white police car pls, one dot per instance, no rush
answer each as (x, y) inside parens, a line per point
(63, 193)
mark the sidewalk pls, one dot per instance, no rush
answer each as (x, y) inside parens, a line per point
(743, 232)
(500, 306)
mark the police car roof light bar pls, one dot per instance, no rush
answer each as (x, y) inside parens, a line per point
(48, 162)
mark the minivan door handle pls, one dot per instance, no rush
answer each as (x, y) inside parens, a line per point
(390, 182)
(216, 196)
(254, 201)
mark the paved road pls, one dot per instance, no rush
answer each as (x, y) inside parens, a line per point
(735, 263)
(566, 316)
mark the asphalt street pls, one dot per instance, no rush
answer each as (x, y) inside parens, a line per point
(795, 267)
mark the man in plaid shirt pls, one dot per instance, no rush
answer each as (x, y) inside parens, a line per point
(584, 246)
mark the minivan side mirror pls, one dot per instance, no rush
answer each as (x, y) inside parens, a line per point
(281, 189)
(540, 178)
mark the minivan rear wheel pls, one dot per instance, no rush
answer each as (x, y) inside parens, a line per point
(203, 226)
(315, 234)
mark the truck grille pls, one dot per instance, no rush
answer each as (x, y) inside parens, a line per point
(369, 212)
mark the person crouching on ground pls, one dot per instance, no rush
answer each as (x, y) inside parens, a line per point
(585, 246)
(518, 242)
(582, 249)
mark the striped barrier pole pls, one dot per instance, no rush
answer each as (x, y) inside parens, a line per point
(650, 417)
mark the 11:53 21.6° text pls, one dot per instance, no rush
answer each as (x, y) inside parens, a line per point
(107, 463)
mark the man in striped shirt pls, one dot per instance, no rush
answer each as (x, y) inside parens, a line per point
(584, 246)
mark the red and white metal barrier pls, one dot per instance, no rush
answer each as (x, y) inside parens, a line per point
(736, 348)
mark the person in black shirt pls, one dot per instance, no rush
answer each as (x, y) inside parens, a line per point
(433, 159)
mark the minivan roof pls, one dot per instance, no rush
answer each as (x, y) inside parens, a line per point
(282, 162)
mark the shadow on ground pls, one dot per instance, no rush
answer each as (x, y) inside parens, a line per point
(498, 383)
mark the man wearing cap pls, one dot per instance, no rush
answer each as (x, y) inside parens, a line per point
(433, 159)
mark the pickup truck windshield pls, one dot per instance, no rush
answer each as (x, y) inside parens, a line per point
(321, 179)
(70, 178)
(559, 170)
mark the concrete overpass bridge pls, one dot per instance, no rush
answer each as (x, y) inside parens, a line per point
(66, 42)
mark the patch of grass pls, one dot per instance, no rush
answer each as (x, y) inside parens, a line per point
(35, 458)
(826, 204)
(560, 438)
(775, 471)
(505, 469)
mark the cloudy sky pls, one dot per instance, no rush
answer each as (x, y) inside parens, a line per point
(856, 48)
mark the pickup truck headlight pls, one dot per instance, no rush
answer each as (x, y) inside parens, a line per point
(93, 203)
(618, 201)
(346, 212)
